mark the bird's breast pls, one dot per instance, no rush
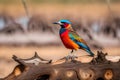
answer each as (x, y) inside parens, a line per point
(67, 41)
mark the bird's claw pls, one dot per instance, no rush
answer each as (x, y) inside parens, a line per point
(70, 57)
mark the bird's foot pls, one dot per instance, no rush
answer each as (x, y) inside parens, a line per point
(71, 57)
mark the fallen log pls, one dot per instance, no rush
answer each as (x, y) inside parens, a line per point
(36, 68)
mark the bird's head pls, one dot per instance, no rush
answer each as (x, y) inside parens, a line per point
(64, 23)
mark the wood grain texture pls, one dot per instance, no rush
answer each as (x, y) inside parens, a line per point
(98, 69)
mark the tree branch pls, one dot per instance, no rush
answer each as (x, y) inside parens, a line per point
(98, 69)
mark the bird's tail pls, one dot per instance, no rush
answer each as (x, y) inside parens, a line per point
(90, 52)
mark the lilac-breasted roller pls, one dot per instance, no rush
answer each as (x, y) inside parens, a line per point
(70, 38)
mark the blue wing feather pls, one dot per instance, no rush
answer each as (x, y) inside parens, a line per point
(86, 48)
(82, 45)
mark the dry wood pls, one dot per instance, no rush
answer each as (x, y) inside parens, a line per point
(98, 69)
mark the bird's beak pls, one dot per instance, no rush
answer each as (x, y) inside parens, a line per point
(57, 23)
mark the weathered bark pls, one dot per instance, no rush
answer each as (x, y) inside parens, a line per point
(98, 69)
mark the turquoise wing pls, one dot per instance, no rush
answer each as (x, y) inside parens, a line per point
(78, 40)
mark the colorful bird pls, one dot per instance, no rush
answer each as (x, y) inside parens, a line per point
(70, 38)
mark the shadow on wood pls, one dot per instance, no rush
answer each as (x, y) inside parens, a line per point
(37, 68)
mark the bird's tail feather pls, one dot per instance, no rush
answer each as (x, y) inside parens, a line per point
(90, 52)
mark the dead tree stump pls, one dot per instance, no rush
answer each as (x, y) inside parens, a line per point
(37, 68)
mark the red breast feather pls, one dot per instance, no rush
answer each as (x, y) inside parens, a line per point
(67, 41)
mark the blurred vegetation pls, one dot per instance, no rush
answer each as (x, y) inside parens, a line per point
(72, 1)
(57, 1)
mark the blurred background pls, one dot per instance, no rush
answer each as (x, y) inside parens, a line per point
(26, 26)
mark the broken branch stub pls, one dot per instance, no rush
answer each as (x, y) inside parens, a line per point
(36, 68)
